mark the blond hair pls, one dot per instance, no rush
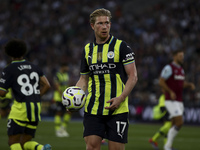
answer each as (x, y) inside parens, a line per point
(99, 12)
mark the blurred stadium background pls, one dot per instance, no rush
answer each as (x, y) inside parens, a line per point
(57, 30)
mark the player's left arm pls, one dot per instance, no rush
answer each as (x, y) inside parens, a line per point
(131, 72)
(128, 60)
(131, 82)
(189, 85)
(45, 85)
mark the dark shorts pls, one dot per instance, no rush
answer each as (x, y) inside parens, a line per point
(60, 107)
(111, 127)
(20, 127)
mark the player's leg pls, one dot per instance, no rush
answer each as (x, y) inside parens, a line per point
(58, 115)
(165, 128)
(14, 132)
(177, 123)
(175, 110)
(159, 113)
(28, 144)
(33, 145)
(16, 146)
(14, 142)
(66, 120)
(93, 142)
(29, 133)
(58, 120)
(162, 131)
(116, 145)
(94, 131)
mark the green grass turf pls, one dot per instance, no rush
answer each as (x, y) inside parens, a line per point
(187, 139)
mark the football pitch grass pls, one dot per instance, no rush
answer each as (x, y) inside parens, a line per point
(139, 134)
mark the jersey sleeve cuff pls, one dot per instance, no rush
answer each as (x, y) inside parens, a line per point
(3, 89)
(84, 73)
(126, 63)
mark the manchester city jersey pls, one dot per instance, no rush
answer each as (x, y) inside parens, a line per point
(63, 80)
(107, 77)
(23, 77)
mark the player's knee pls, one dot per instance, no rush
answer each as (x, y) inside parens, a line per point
(92, 147)
(178, 125)
(11, 142)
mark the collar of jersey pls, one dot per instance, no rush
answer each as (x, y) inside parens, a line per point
(177, 65)
(107, 42)
(16, 61)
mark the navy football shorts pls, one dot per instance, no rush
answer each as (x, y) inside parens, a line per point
(111, 127)
(21, 127)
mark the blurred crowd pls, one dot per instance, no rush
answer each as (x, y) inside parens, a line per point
(57, 30)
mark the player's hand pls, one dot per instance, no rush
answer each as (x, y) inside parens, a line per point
(172, 95)
(115, 102)
(69, 111)
(192, 86)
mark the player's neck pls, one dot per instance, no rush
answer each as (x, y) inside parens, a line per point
(102, 41)
(17, 59)
(176, 63)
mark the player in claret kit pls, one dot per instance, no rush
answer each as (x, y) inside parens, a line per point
(28, 84)
(172, 81)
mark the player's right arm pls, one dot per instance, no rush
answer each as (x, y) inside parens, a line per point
(84, 77)
(83, 82)
(45, 85)
(57, 87)
(3, 92)
(163, 84)
(3, 87)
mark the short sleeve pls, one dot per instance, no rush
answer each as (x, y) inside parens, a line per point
(6, 79)
(127, 55)
(166, 72)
